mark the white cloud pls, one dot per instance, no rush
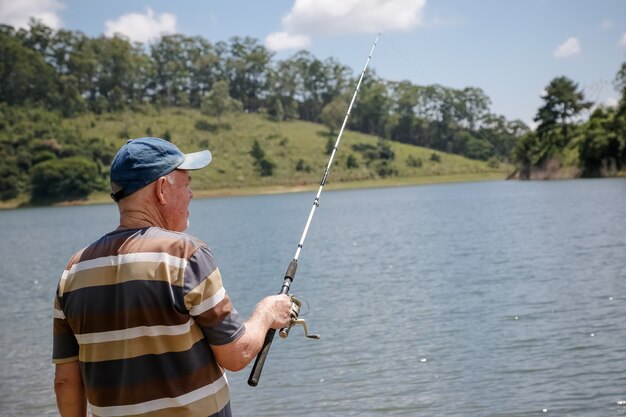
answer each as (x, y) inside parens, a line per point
(18, 12)
(622, 42)
(142, 27)
(610, 102)
(283, 40)
(570, 47)
(340, 17)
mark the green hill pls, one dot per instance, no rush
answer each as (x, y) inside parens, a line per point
(296, 151)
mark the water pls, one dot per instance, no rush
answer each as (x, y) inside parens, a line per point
(484, 299)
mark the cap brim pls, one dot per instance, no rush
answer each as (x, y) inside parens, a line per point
(196, 160)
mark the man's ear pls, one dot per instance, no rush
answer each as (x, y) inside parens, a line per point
(159, 190)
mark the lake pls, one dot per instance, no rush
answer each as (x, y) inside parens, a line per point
(476, 299)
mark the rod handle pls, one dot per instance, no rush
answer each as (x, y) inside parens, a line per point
(257, 368)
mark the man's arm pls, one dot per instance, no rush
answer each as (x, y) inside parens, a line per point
(272, 312)
(69, 390)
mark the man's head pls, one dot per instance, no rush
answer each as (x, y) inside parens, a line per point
(152, 170)
(142, 161)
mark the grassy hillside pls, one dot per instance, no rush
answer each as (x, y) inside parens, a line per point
(298, 150)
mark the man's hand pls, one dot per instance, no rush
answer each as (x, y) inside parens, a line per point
(273, 312)
(277, 308)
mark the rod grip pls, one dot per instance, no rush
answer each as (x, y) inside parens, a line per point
(257, 368)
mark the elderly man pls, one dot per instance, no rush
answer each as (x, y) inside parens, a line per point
(142, 323)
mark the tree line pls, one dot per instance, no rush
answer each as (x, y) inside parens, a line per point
(73, 73)
(70, 73)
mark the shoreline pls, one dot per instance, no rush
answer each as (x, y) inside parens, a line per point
(103, 198)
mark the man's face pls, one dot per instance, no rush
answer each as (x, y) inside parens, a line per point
(178, 197)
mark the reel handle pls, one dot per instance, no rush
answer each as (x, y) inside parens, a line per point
(257, 368)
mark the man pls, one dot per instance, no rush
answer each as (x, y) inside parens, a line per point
(142, 323)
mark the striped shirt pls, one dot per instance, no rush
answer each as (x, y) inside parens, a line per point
(139, 309)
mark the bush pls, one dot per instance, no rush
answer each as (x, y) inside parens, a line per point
(384, 150)
(256, 151)
(266, 166)
(64, 179)
(493, 162)
(330, 146)
(435, 157)
(302, 166)
(384, 169)
(414, 162)
(351, 162)
(206, 126)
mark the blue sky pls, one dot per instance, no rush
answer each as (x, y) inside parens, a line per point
(510, 49)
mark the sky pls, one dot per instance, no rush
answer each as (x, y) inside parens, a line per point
(510, 49)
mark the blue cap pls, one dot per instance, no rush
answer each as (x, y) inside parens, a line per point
(142, 161)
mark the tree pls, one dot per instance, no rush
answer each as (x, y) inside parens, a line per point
(9, 180)
(70, 100)
(275, 109)
(372, 107)
(406, 97)
(282, 85)
(218, 102)
(25, 76)
(499, 135)
(257, 152)
(311, 82)
(563, 101)
(246, 65)
(333, 114)
(620, 79)
(473, 105)
(203, 67)
(619, 124)
(600, 147)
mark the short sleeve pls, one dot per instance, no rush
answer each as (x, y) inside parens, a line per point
(207, 300)
(64, 344)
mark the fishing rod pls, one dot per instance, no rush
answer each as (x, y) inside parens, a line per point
(255, 374)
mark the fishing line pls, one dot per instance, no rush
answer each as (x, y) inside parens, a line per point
(308, 307)
(456, 107)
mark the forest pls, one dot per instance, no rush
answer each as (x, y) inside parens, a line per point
(47, 76)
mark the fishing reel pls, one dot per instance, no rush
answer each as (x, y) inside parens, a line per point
(295, 312)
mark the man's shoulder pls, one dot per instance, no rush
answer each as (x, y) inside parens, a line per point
(171, 241)
(146, 240)
(175, 236)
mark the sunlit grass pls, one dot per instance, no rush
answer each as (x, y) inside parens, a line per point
(288, 144)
